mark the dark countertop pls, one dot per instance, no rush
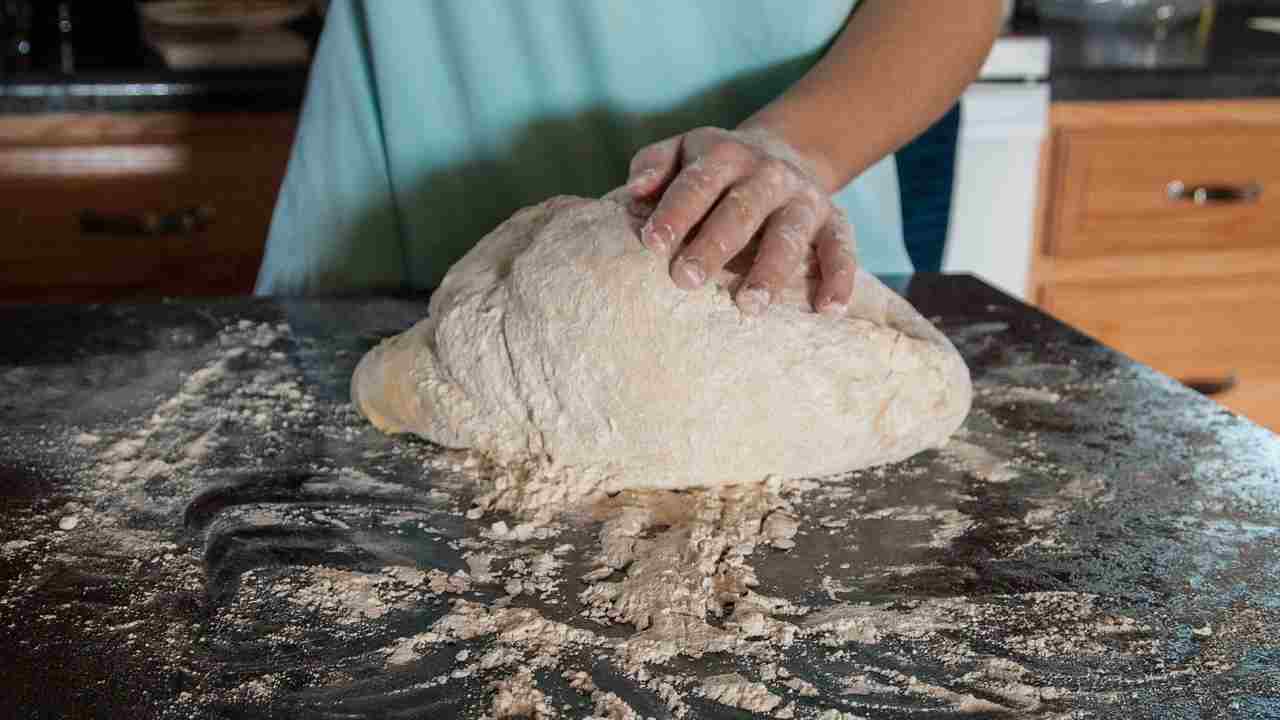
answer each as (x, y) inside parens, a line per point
(156, 89)
(1231, 61)
(116, 69)
(186, 499)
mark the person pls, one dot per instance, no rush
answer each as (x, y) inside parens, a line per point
(427, 123)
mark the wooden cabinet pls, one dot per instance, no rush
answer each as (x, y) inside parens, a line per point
(114, 206)
(1160, 236)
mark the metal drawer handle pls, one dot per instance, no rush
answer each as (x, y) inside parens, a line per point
(1179, 191)
(148, 224)
(1212, 386)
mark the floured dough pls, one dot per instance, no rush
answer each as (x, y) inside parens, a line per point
(560, 336)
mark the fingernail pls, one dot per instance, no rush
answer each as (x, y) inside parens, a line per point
(753, 300)
(829, 307)
(657, 239)
(689, 274)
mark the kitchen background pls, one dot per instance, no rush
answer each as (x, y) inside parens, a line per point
(1117, 164)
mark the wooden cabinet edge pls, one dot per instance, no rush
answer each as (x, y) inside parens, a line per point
(113, 128)
(1158, 266)
(1043, 216)
(1163, 114)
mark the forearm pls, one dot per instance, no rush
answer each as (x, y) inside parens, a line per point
(895, 69)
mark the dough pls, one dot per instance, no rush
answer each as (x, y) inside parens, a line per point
(561, 337)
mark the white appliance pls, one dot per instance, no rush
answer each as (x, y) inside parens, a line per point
(1003, 122)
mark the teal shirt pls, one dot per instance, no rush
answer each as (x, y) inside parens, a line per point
(429, 122)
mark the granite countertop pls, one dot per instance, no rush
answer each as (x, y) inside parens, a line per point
(195, 523)
(1230, 60)
(155, 89)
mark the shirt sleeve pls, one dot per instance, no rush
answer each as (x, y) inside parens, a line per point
(336, 228)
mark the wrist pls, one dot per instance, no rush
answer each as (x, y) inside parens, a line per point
(771, 134)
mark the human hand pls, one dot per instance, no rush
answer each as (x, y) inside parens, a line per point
(739, 185)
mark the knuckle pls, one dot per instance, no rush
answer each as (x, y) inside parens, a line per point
(775, 172)
(814, 202)
(743, 204)
(728, 151)
(776, 267)
(725, 244)
(647, 157)
(790, 240)
(769, 275)
(842, 234)
(799, 220)
(837, 261)
(703, 132)
(697, 180)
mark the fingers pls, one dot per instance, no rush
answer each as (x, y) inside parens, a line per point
(689, 198)
(653, 166)
(835, 260)
(735, 220)
(731, 192)
(786, 238)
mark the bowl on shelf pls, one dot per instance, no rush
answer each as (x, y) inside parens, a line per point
(223, 14)
(1123, 12)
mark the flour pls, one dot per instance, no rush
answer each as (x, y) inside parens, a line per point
(518, 697)
(86, 439)
(535, 489)
(1014, 394)
(15, 546)
(344, 596)
(736, 691)
(607, 705)
(980, 462)
(693, 568)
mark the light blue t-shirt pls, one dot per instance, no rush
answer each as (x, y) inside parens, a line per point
(429, 122)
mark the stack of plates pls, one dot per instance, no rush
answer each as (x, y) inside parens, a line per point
(198, 34)
(228, 14)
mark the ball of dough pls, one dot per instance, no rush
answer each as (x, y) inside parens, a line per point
(560, 336)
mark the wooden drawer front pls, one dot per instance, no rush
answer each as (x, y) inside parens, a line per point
(130, 171)
(1185, 327)
(1112, 190)
(1256, 397)
(46, 251)
(1194, 329)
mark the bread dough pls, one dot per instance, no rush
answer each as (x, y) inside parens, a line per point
(561, 337)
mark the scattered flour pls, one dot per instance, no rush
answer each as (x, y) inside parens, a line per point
(736, 691)
(551, 578)
(518, 697)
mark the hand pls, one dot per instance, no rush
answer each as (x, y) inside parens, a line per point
(737, 185)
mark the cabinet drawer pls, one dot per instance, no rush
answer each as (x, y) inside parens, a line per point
(184, 214)
(1114, 190)
(1256, 397)
(1185, 327)
(121, 229)
(1202, 330)
(1196, 329)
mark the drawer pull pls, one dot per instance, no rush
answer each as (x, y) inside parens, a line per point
(1212, 386)
(1179, 191)
(148, 224)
